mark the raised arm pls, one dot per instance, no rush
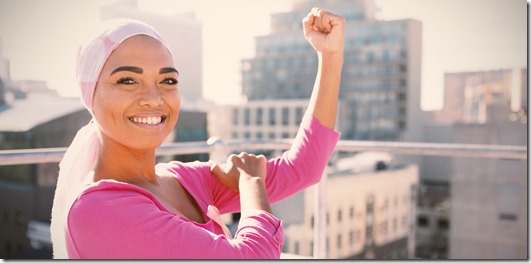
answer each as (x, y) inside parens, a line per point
(304, 164)
(325, 32)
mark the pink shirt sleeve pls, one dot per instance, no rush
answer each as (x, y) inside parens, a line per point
(111, 222)
(298, 168)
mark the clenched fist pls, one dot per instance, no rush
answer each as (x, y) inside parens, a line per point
(324, 30)
(238, 167)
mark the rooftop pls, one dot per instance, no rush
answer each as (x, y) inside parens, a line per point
(25, 114)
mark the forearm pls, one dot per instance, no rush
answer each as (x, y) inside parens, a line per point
(253, 195)
(324, 99)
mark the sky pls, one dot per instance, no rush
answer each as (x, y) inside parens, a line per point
(40, 37)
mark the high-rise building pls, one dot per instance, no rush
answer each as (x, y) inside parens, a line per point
(184, 34)
(380, 86)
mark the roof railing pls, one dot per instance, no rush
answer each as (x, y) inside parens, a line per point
(220, 149)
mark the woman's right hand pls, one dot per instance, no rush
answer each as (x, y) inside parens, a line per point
(246, 173)
(241, 166)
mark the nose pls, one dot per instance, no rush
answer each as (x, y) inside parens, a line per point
(151, 96)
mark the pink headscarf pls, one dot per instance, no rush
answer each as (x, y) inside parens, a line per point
(80, 157)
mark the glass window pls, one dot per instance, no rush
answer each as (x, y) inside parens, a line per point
(299, 111)
(423, 221)
(235, 116)
(247, 116)
(285, 116)
(272, 116)
(442, 223)
(259, 113)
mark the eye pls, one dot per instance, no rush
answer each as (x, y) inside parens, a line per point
(126, 81)
(170, 81)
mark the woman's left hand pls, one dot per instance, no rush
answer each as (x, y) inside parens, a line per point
(324, 30)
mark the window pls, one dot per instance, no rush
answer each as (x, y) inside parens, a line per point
(339, 216)
(351, 212)
(383, 228)
(235, 116)
(285, 116)
(509, 217)
(272, 117)
(443, 223)
(351, 237)
(339, 241)
(247, 116)
(298, 115)
(296, 248)
(259, 116)
(423, 221)
(272, 135)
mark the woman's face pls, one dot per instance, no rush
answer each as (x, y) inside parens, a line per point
(137, 101)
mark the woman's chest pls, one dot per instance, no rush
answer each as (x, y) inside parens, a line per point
(178, 200)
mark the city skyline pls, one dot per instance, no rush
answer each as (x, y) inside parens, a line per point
(482, 35)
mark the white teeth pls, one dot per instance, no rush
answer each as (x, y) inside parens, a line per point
(147, 120)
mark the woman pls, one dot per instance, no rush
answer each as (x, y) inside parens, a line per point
(113, 201)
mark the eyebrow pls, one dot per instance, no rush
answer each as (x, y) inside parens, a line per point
(140, 70)
(128, 68)
(168, 70)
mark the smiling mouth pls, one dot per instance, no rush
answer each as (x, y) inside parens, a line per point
(152, 120)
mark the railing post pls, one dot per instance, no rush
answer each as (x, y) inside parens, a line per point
(218, 152)
(319, 212)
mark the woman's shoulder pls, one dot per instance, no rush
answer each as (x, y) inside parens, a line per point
(110, 189)
(185, 169)
(110, 197)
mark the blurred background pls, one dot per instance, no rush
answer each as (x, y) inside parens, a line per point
(432, 71)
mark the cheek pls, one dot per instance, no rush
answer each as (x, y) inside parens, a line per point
(175, 104)
(106, 107)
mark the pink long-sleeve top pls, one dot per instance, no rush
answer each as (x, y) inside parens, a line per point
(111, 219)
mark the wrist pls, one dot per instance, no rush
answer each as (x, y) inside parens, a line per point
(331, 56)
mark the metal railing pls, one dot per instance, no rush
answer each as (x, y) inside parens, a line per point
(219, 150)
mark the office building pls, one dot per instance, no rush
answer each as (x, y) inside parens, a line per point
(486, 196)
(380, 86)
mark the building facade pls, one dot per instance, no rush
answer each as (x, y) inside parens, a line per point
(273, 119)
(487, 197)
(380, 86)
(370, 215)
(467, 94)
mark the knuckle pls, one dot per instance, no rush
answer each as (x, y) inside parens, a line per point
(233, 157)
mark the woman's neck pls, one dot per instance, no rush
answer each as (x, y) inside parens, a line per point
(117, 162)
